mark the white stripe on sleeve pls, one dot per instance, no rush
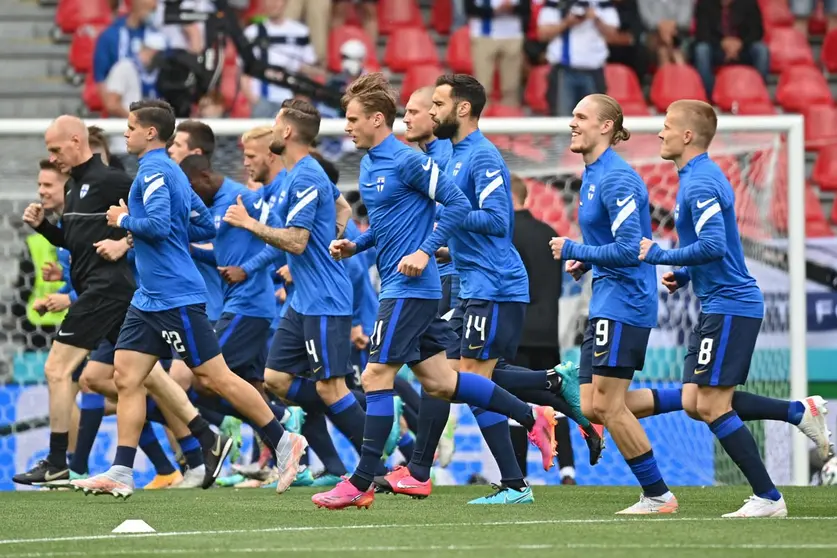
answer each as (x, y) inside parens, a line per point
(706, 215)
(622, 215)
(434, 181)
(153, 187)
(308, 198)
(493, 185)
(265, 212)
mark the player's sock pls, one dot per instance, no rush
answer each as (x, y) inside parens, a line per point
(153, 413)
(255, 453)
(348, 417)
(278, 410)
(520, 443)
(481, 392)
(406, 445)
(199, 427)
(361, 398)
(304, 393)
(645, 469)
(58, 443)
(411, 399)
(739, 444)
(92, 410)
(750, 406)
(432, 418)
(272, 433)
(315, 431)
(667, 400)
(495, 431)
(379, 417)
(512, 377)
(150, 446)
(125, 457)
(191, 449)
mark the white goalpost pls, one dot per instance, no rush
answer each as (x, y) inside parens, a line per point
(763, 157)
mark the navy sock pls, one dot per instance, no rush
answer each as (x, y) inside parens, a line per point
(361, 398)
(379, 417)
(495, 431)
(432, 418)
(485, 394)
(750, 406)
(412, 401)
(272, 433)
(406, 445)
(191, 451)
(125, 457)
(348, 417)
(304, 393)
(739, 444)
(90, 418)
(150, 446)
(667, 400)
(512, 377)
(199, 428)
(256, 452)
(153, 413)
(644, 468)
(58, 443)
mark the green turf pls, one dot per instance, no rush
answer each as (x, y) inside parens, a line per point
(564, 521)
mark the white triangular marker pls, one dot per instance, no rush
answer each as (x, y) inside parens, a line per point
(134, 526)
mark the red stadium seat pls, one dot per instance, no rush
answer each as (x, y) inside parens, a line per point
(340, 35)
(441, 16)
(394, 15)
(623, 85)
(756, 109)
(419, 76)
(90, 95)
(503, 111)
(820, 127)
(739, 85)
(230, 87)
(802, 86)
(673, 82)
(829, 51)
(536, 88)
(815, 222)
(825, 169)
(80, 57)
(72, 14)
(410, 47)
(459, 51)
(788, 48)
(817, 23)
(775, 13)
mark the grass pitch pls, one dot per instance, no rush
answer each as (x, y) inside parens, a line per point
(564, 521)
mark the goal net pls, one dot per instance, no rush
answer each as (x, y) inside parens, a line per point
(763, 158)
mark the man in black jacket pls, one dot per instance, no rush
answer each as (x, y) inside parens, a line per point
(728, 32)
(539, 342)
(104, 287)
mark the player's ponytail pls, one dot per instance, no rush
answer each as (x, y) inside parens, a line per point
(610, 109)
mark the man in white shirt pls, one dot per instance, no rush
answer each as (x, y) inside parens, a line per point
(280, 42)
(577, 49)
(133, 79)
(497, 42)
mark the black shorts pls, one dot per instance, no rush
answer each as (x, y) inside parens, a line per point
(486, 329)
(720, 350)
(450, 293)
(186, 330)
(358, 360)
(312, 347)
(243, 341)
(612, 349)
(408, 331)
(91, 319)
(103, 353)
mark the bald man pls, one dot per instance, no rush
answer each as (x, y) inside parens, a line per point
(104, 287)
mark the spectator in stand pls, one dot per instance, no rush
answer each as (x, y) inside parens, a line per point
(498, 28)
(728, 32)
(188, 37)
(627, 43)
(211, 105)
(281, 42)
(317, 14)
(352, 54)
(367, 10)
(577, 49)
(802, 10)
(133, 79)
(667, 21)
(122, 39)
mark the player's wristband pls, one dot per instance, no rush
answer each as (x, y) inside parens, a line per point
(120, 218)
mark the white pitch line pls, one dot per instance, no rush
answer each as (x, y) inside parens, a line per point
(110, 537)
(433, 548)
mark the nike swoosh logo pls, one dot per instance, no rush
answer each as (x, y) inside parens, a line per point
(216, 451)
(373, 352)
(599, 354)
(304, 192)
(317, 369)
(475, 347)
(400, 484)
(370, 184)
(63, 334)
(620, 203)
(492, 174)
(702, 204)
(152, 177)
(55, 476)
(700, 371)
(426, 166)
(258, 204)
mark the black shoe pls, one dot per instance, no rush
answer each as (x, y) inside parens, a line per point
(213, 459)
(595, 443)
(41, 473)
